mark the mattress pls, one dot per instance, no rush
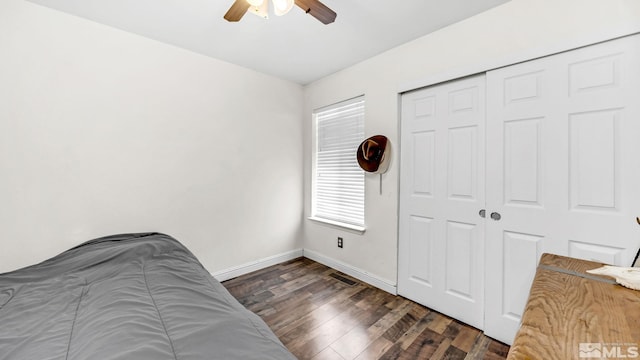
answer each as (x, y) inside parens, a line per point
(130, 296)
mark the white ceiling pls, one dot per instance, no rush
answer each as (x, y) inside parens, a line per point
(296, 46)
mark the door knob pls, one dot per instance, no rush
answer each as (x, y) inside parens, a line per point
(495, 216)
(482, 213)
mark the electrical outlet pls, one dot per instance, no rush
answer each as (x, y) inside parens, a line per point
(340, 242)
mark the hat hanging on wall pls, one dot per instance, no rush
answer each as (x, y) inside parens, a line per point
(373, 155)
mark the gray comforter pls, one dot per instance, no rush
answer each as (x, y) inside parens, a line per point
(133, 296)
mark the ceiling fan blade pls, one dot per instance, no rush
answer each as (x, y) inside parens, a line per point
(318, 10)
(237, 10)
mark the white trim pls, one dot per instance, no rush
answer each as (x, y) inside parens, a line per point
(252, 266)
(518, 57)
(357, 273)
(356, 228)
(350, 270)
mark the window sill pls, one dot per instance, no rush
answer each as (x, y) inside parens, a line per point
(356, 228)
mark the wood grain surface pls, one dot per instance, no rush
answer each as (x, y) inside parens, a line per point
(565, 312)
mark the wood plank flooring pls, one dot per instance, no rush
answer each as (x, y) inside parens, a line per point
(322, 314)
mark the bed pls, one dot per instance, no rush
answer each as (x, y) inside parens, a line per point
(129, 296)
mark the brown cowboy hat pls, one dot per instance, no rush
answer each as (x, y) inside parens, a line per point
(372, 154)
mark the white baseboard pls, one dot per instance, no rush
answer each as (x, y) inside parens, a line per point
(353, 271)
(350, 270)
(239, 270)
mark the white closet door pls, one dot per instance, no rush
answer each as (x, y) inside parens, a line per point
(563, 168)
(441, 246)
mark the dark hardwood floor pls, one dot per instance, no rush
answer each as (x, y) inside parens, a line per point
(320, 313)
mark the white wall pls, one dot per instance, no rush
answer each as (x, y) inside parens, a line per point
(515, 31)
(105, 132)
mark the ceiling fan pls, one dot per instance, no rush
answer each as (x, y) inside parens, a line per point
(259, 7)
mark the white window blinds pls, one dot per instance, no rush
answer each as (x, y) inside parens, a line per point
(338, 189)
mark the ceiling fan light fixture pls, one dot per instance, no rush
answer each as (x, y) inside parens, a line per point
(261, 10)
(281, 7)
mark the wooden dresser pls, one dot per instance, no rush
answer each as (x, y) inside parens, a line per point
(571, 314)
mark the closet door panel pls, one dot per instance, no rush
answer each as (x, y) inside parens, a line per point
(522, 163)
(461, 253)
(441, 247)
(462, 167)
(560, 131)
(420, 225)
(517, 156)
(516, 257)
(594, 151)
(420, 239)
(423, 167)
(602, 116)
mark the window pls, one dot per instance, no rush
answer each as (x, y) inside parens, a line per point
(338, 181)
